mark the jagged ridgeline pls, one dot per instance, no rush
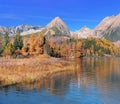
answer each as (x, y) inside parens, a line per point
(55, 27)
(109, 28)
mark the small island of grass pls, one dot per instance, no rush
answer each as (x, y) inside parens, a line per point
(28, 70)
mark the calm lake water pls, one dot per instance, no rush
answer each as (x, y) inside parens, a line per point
(94, 81)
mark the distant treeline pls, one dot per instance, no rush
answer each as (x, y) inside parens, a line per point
(20, 47)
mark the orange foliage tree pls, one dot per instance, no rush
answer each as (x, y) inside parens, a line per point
(40, 44)
(32, 44)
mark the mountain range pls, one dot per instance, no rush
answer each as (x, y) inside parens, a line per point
(23, 28)
(109, 28)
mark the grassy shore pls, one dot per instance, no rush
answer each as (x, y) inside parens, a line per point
(13, 71)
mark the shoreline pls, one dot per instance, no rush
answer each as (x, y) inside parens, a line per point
(14, 71)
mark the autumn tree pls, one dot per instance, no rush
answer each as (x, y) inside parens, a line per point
(25, 47)
(0, 46)
(32, 44)
(8, 51)
(78, 50)
(64, 50)
(40, 44)
(56, 50)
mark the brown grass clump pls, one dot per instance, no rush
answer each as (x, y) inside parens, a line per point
(13, 71)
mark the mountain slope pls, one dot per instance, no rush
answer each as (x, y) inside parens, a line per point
(57, 27)
(3, 29)
(109, 28)
(83, 33)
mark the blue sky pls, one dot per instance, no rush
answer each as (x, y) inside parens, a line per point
(75, 13)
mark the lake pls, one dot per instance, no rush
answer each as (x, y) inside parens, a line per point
(94, 81)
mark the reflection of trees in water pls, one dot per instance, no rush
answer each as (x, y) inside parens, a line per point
(56, 84)
(104, 73)
(83, 73)
(100, 68)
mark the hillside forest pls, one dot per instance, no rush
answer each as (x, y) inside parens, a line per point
(36, 44)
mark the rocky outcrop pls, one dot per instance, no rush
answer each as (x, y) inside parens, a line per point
(84, 32)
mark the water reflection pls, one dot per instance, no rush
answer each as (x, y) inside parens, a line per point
(94, 81)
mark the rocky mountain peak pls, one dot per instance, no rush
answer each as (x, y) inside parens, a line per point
(109, 28)
(59, 24)
(85, 28)
(84, 32)
(57, 19)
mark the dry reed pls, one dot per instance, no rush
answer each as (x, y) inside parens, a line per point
(13, 71)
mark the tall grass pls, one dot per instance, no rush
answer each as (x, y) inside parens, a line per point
(13, 71)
